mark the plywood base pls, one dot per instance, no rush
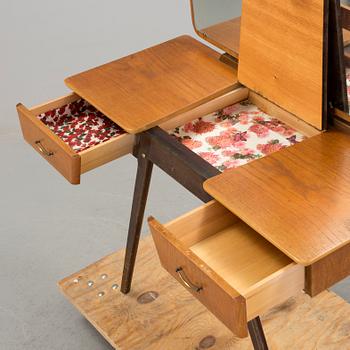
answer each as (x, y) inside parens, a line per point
(176, 321)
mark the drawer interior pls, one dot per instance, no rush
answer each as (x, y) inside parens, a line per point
(241, 132)
(240, 256)
(251, 265)
(80, 125)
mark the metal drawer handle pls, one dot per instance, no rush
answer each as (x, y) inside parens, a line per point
(186, 282)
(43, 150)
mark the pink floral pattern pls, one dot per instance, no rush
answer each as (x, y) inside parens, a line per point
(236, 135)
(80, 125)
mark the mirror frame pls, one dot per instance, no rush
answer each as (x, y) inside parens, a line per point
(230, 51)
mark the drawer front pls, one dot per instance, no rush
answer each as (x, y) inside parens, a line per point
(49, 146)
(204, 284)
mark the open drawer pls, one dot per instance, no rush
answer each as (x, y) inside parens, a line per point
(70, 162)
(226, 265)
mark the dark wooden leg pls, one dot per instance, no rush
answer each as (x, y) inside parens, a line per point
(143, 179)
(257, 334)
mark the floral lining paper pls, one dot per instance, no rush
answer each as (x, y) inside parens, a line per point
(80, 125)
(236, 135)
(226, 139)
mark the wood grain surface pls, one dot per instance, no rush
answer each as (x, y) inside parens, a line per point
(224, 35)
(297, 198)
(175, 320)
(154, 85)
(281, 54)
(61, 157)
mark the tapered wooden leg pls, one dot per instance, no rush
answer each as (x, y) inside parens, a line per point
(143, 179)
(257, 335)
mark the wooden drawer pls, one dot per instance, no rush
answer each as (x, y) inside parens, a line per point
(226, 265)
(58, 153)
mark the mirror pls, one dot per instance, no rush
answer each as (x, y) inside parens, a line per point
(218, 22)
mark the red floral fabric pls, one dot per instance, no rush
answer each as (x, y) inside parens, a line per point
(236, 135)
(80, 125)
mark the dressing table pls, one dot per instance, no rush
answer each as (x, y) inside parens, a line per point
(269, 229)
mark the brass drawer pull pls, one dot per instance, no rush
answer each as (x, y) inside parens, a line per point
(43, 150)
(186, 282)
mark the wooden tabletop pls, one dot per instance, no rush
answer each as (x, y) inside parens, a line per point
(147, 88)
(297, 198)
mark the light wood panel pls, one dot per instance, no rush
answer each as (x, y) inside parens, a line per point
(240, 256)
(60, 156)
(326, 272)
(297, 198)
(150, 87)
(176, 320)
(281, 54)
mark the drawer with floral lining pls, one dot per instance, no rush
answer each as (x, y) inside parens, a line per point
(228, 131)
(73, 136)
(226, 265)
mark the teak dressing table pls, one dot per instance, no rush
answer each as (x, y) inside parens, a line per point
(270, 228)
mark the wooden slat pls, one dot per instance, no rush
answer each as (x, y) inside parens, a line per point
(297, 198)
(282, 54)
(176, 320)
(150, 87)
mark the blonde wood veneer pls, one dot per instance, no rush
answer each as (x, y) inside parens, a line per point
(71, 164)
(152, 86)
(297, 198)
(229, 260)
(281, 54)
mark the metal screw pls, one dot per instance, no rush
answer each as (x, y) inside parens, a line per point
(143, 155)
(90, 283)
(104, 276)
(115, 287)
(101, 294)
